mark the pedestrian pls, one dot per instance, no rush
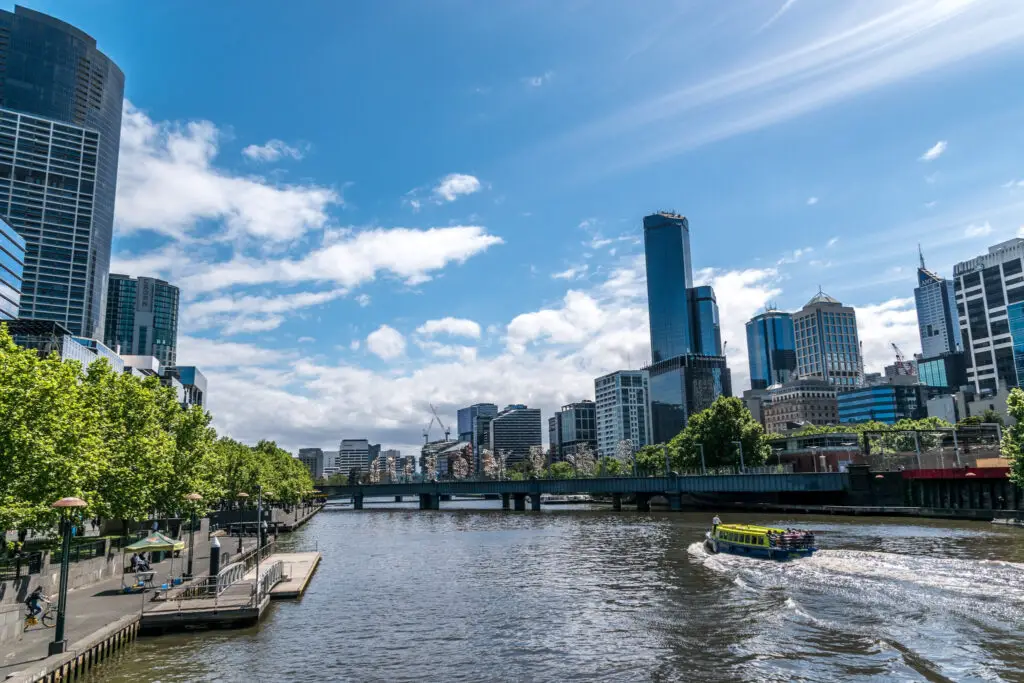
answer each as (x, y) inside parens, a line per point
(135, 563)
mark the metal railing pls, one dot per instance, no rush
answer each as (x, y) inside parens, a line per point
(23, 564)
(80, 552)
(267, 580)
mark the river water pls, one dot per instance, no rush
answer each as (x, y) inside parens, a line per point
(481, 594)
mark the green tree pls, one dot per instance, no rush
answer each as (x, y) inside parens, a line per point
(611, 467)
(650, 460)
(1013, 438)
(718, 428)
(560, 470)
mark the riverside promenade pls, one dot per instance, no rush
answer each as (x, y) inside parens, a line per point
(94, 607)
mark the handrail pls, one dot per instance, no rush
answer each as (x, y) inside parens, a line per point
(267, 580)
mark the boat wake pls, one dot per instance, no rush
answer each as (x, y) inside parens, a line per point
(881, 602)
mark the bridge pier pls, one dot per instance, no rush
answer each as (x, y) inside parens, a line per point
(675, 502)
(398, 499)
(430, 501)
(446, 497)
(506, 501)
(535, 502)
(643, 502)
(617, 502)
(519, 501)
(357, 501)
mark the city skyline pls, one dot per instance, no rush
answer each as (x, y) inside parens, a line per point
(341, 295)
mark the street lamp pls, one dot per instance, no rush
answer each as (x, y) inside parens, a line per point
(193, 499)
(703, 463)
(242, 496)
(743, 468)
(66, 507)
(259, 538)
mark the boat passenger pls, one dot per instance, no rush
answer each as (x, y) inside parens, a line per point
(715, 522)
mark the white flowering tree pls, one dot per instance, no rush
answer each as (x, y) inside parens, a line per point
(459, 468)
(488, 463)
(582, 459)
(536, 459)
(392, 473)
(408, 469)
(503, 455)
(626, 454)
(430, 467)
(375, 470)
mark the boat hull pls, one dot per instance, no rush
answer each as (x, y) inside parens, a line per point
(715, 545)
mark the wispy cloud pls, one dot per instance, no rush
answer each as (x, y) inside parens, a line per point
(455, 185)
(832, 242)
(935, 151)
(978, 230)
(272, 150)
(538, 81)
(811, 201)
(572, 273)
(778, 14)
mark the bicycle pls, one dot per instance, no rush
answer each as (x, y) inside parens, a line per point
(48, 618)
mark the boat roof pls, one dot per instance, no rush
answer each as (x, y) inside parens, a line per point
(751, 528)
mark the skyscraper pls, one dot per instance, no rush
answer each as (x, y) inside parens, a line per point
(937, 319)
(12, 264)
(984, 287)
(575, 427)
(353, 454)
(688, 371)
(514, 430)
(771, 349)
(622, 411)
(142, 317)
(827, 343)
(313, 459)
(60, 129)
(474, 425)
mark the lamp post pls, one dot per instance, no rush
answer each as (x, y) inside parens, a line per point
(703, 463)
(193, 499)
(242, 496)
(259, 538)
(743, 468)
(66, 507)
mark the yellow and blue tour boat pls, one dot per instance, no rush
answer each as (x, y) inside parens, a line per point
(759, 541)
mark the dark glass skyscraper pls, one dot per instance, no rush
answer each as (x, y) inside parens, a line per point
(688, 371)
(937, 318)
(12, 263)
(771, 349)
(60, 129)
(142, 318)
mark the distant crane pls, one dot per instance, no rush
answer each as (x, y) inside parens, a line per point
(426, 431)
(440, 424)
(903, 366)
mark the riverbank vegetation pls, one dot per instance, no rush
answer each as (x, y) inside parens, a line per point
(123, 444)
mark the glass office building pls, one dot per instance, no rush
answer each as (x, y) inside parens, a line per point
(682, 386)
(12, 265)
(705, 326)
(1015, 318)
(827, 343)
(937, 319)
(669, 279)
(886, 403)
(771, 349)
(572, 428)
(621, 411)
(60, 130)
(474, 425)
(946, 370)
(142, 317)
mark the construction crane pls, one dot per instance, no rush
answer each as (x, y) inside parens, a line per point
(903, 366)
(439, 423)
(426, 431)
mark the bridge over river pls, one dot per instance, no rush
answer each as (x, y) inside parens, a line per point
(673, 488)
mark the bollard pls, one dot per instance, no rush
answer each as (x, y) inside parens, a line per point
(214, 561)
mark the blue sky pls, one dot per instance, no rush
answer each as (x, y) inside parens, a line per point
(373, 206)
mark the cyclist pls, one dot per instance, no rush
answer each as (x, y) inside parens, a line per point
(34, 602)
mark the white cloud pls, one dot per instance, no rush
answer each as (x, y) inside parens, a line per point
(832, 242)
(879, 325)
(778, 14)
(811, 201)
(1014, 183)
(455, 185)
(935, 151)
(465, 354)
(363, 300)
(305, 340)
(794, 256)
(407, 253)
(456, 327)
(354, 345)
(978, 230)
(386, 342)
(246, 313)
(273, 150)
(579, 317)
(572, 273)
(167, 183)
(538, 81)
(209, 354)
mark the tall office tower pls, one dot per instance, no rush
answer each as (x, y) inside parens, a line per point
(937, 319)
(514, 430)
(60, 129)
(142, 317)
(827, 344)
(12, 264)
(313, 459)
(474, 425)
(984, 287)
(688, 371)
(353, 454)
(575, 427)
(771, 349)
(622, 411)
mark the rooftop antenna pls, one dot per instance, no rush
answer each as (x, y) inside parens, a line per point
(921, 254)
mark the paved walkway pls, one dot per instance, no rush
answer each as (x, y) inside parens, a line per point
(95, 606)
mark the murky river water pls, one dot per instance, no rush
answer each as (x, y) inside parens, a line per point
(591, 595)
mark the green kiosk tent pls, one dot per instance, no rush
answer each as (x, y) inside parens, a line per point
(154, 542)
